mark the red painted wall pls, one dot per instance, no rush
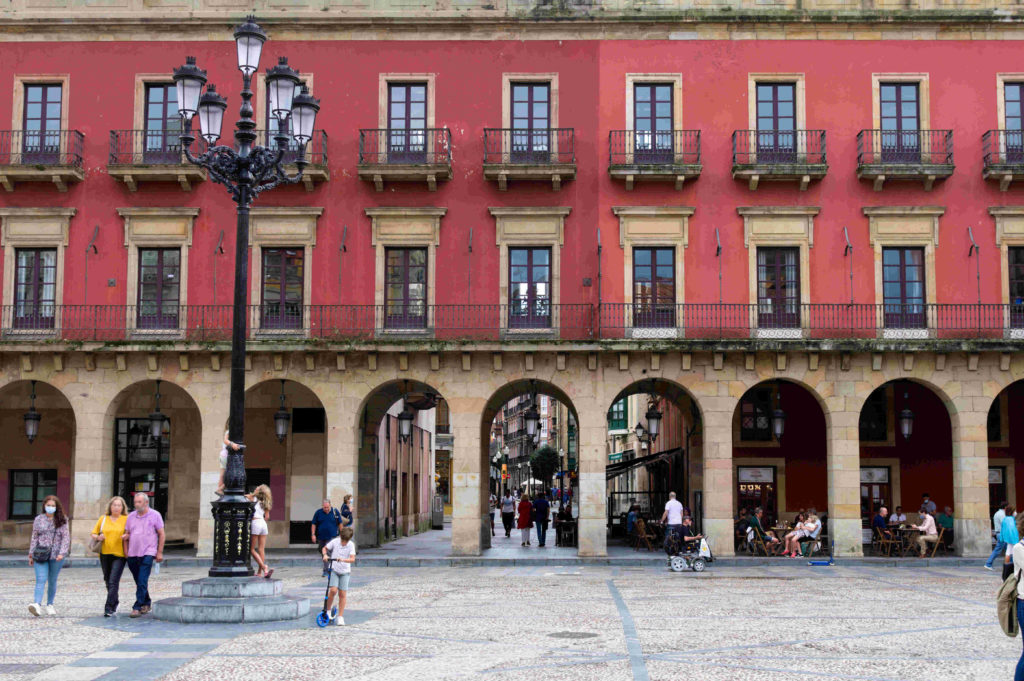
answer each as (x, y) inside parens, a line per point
(592, 100)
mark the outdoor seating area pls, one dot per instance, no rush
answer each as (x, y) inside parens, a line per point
(803, 537)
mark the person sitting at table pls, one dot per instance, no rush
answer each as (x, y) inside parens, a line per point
(563, 519)
(945, 522)
(812, 530)
(771, 542)
(631, 519)
(879, 522)
(898, 517)
(740, 528)
(928, 533)
(800, 517)
(794, 535)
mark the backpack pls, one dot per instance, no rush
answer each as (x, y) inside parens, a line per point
(1006, 604)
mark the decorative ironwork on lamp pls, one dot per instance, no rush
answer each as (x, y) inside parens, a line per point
(281, 418)
(406, 417)
(906, 417)
(32, 417)
(157, 418)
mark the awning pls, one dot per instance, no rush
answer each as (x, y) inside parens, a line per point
(619, 467)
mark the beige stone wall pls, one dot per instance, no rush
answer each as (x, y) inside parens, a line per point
(473, 381)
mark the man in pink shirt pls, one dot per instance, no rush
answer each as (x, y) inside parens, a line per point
(927, 529)
(143, 545)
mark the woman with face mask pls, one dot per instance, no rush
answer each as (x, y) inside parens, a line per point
(51, 541)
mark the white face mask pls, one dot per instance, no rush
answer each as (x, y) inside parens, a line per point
(51, 509)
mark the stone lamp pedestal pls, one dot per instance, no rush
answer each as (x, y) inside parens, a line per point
(231, 600)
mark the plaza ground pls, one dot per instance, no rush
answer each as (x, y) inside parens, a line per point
(781, 622)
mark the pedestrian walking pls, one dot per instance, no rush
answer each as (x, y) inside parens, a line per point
(997, 524)
(258, 529)
(492, 504)
(508, 512)
(326, 523)
(342, 553)
(672, 518)
(51, 541)
(108, 530)
(1017, 557)
(143, 546)
(525, 519)
(541, 514)
(347, 517)
(1009, 536)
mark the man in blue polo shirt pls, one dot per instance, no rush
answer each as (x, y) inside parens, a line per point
(326, 522)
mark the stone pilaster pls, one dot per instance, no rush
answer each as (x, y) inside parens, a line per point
(971, 524)
(93, 458)
(843, 454)
(593, 458)
(468, 469)
(719, 503)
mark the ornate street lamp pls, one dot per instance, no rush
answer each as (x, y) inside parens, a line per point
(281, 419)
(906, 417)
(640, 431)
(653, 420)
(247, 170)
(157, 418)
(32, 417)
(778, 416)
(406, 417)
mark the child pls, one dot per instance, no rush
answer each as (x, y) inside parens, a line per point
(343, 555)
(224, 463)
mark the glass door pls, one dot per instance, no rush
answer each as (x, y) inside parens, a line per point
(776, 123)
(41, 121)
(407, 123)
(654, 288)
(141, 463)
(163, 125)
(531, 123)
(652, 116)
(778, 288)
(903, 288)
(900, 116)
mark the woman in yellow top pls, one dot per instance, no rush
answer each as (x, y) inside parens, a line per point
(110, 529)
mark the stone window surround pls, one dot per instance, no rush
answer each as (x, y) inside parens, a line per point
(1009, 232)
(382, 94)
(530, 226)
(390, 227)
(905, 237)
(18, 108)
(757, 221)
(1001, 80)
(506, 102)
(800, 96)
(282, 227)
(675, 79)
(156, 228)
(632, 219)
(260, 100)
(58, 222)
(923, 96)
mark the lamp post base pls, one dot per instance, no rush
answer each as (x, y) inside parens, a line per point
(231, 600)
(232, 517)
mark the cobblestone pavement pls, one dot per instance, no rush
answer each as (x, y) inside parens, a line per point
(778, 623)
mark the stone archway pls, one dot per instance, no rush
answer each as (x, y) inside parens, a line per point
(30, 471)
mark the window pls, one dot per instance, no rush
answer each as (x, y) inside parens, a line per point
(531, 122)
(776, 122)
(282, 288)
(874, 417)
(1013, 96)
(35, 288)
(1015, 269)
(444, 425)
(778, 287)
(903, 287)
(652, 120)
(41, 123)
(407, 122)
(159, 286)
(28, 489)
(618, 419)
(994, 425)
(654, 287)
(141, 464)
(163, 125)
(755, 415)
(405, 292)
(900, 121)
(529, 292)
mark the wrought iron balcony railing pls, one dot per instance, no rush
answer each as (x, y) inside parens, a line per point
(905, 147)
(421, 146)
(149, 147)
(539, 146)
(41, 148)
(582, 322)
(654, 148)
(316, 149)
(778, 147)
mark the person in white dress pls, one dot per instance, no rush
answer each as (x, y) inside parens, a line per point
(258, 527)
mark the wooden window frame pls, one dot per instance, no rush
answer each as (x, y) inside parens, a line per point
(161, 251)
(37, 499)
(923, 96)
(405, 321)
(35, 301)
(800, 96)
(762, 301)
(34, 228)
(281, 320)
(18, 100)
(530, 320)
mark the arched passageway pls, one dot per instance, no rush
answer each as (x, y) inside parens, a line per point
(1005, 435)
(31, 470)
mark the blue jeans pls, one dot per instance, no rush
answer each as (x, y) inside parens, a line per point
(140, 567)
(1019, 674)
(542, 532)
(47, 572)
(997, 552)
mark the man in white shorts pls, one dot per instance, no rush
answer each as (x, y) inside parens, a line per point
(342, 553)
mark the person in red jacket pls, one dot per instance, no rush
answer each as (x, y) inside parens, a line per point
(525, 520)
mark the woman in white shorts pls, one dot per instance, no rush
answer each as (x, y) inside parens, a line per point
(258, 528)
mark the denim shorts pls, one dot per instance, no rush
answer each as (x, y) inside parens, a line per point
(340, 581)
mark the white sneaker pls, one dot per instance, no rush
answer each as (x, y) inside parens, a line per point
(340, 621)
(989, 568)
(35, 609)
(50, 611)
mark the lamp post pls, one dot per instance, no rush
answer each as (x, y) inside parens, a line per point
(246, 170)
(32, 417)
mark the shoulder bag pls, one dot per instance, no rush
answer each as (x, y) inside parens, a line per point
(41, 554)
(96, 544)
(1006, 604)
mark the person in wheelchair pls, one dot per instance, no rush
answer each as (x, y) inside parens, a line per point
(683, 539)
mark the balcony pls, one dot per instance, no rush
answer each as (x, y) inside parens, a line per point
(316, 157)
(795, 155)
(420, 155)
(1004, 156)
(51, 156)
(138, 156)
(925, 155)
(545, 154)
(702, 324)
(668, 156)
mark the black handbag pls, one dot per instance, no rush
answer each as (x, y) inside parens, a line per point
(42, 554)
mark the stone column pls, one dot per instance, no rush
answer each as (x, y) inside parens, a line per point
(719, 503)
(593, 458)
(843, 455)
(93, 463)
(468, 479)
(971, 525)
(342, 452)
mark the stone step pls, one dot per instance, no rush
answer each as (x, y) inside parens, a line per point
(195, 610)
(232, 587)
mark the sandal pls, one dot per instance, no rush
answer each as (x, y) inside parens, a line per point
(270, 571)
